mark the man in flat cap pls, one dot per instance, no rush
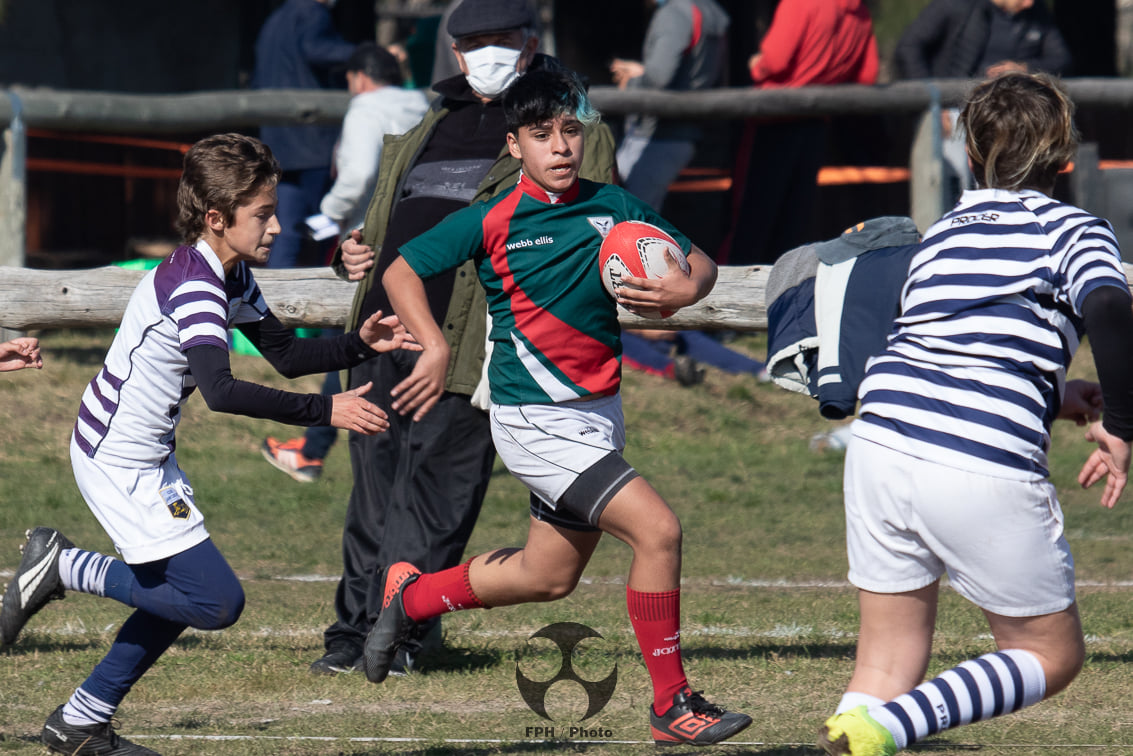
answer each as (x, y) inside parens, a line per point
(418, 487)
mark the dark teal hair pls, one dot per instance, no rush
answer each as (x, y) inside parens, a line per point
(544, 93)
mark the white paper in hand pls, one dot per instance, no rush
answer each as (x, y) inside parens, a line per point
(321, 227)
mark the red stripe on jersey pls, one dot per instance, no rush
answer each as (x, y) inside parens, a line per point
(697, 29)
(585, 361)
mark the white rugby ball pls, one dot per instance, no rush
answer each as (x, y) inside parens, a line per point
(638, 249)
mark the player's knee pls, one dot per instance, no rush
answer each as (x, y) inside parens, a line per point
(555, 587)
(1061, 668)
(664, 536)
(223, 610)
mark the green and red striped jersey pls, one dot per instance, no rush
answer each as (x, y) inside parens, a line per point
(555, 333)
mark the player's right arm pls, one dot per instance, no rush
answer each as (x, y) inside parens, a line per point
(419, 392)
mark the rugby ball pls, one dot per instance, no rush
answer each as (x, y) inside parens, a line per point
(638, 249)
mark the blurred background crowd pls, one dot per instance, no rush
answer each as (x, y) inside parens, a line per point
(745, 191)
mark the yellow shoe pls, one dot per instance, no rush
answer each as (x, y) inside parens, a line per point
(855, 733)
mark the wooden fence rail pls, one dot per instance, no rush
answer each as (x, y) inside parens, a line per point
(212, 111)
(311, 297)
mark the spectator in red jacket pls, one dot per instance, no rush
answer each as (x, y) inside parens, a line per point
(809, 42)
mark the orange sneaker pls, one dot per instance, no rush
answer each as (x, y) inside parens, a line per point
(692, 720)
(288, 457)
(393, 626)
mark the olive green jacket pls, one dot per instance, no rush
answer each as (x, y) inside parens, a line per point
(465, 323)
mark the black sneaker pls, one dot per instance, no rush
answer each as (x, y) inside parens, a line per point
(36, 581)
(686, 371)
(694, 721)
(393, 626)
(338, 660)
(92, 740)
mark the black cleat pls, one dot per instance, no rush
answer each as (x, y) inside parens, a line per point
(692, 720)
(36, 581)
(394, 627)
(338, 660)
(87, 740)
(686, 371)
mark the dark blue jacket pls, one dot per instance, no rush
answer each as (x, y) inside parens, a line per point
(299, 48)
(831, 306)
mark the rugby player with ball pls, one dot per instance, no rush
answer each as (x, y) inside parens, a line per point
(556, 412)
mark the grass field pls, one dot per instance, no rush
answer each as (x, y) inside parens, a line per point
(769, 622)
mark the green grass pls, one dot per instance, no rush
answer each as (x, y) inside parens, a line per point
(769, 622)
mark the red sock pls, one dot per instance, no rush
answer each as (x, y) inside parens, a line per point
(656, 620)
(436, 593)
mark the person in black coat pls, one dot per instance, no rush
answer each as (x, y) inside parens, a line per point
(962, 39)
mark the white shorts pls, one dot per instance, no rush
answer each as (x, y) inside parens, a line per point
(149, 512)
(908, 521)
(550, 446)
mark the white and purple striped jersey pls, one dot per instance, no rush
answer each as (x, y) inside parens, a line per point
(991, 315)
(130, 410)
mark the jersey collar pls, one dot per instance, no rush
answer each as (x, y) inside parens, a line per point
(533, 190)
(210, 257)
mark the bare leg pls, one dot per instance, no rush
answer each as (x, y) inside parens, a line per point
(546, 568)
(1055, 640)
(894, 641)
(640, 518)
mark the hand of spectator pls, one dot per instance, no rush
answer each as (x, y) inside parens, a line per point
(752, 64)
(423, 388)
(1005, 66)
(1110, 460)
(19, 353)
(1081, 402)
(624, 70)
(672, 291)
(398, 51)
(350, 411)
(385, 334)
(357, 257)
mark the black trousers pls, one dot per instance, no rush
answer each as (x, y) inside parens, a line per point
(776, 209)
(418, 489)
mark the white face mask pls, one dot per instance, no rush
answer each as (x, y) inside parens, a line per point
(491, 70)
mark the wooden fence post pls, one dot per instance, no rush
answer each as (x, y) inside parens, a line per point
(926, 167)
(13, 194)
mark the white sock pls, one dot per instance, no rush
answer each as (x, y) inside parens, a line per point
(978, 689)
(852, 700)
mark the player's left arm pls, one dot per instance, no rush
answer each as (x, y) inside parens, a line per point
(673, 290)
(1081, 402)
(1109, 324)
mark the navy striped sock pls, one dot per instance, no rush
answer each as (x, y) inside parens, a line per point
(91, 572)
(990, 686)
(84, 709)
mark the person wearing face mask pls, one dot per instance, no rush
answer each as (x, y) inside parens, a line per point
(417, 494)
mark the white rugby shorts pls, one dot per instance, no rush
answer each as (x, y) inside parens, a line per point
(549, 446)
(148, 512)
(1001, 542)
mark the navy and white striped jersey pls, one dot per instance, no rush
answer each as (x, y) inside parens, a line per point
(130, 410)
(991, 315)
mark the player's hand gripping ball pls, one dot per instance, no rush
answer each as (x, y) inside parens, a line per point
(641, 250)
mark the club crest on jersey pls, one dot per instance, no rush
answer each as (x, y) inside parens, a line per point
(602, 224)
(177, 506)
